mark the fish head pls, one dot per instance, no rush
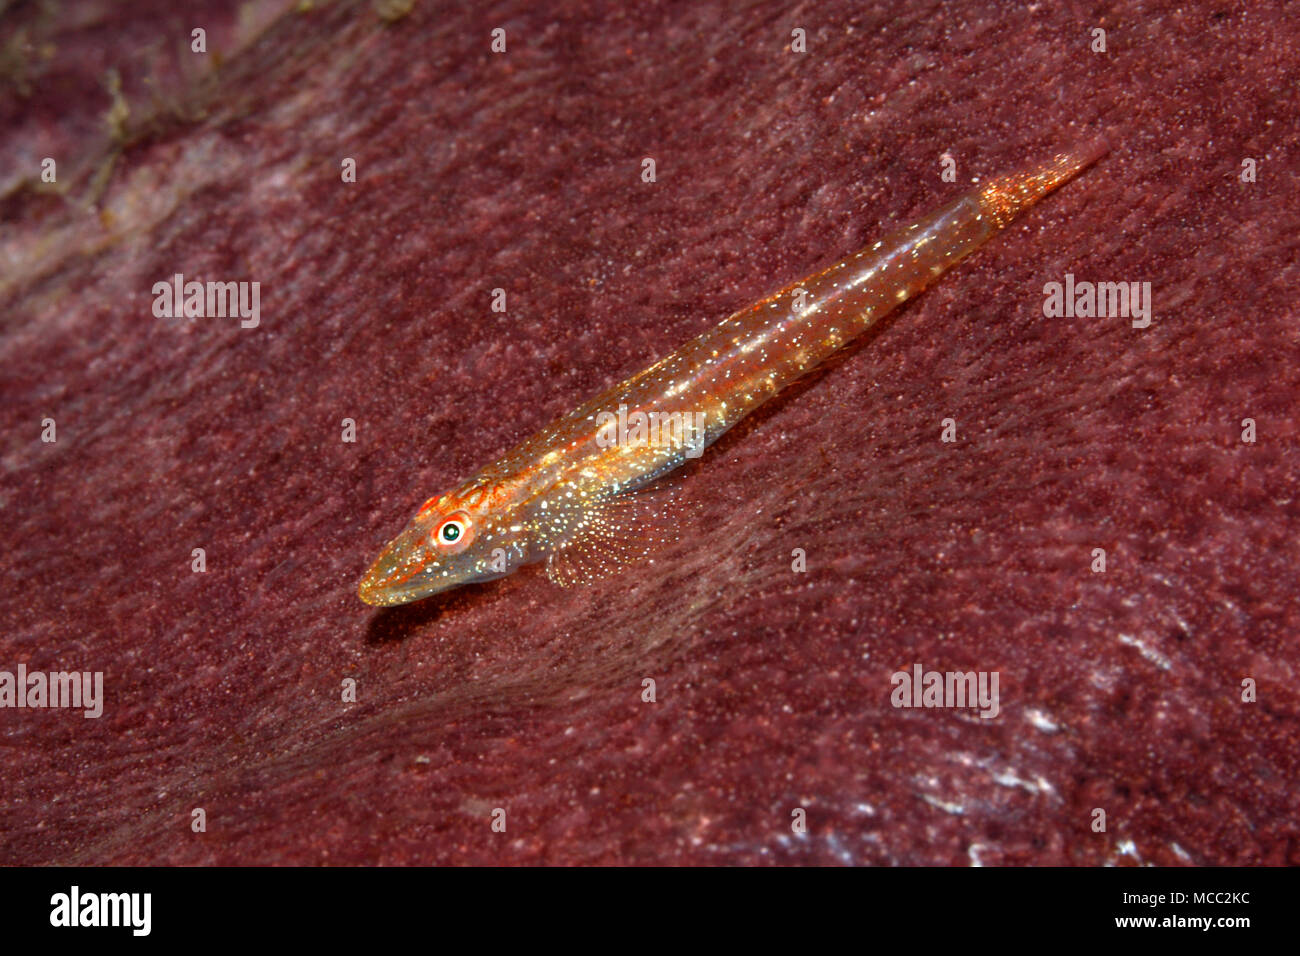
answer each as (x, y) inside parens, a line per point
(458, 538)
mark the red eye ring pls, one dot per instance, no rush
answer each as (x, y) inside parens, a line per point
(454, 533)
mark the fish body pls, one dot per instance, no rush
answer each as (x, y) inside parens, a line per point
(569, 494)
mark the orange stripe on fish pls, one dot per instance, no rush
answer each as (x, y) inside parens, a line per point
(567, 495)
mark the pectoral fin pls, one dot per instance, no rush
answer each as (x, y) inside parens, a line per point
(610, 534)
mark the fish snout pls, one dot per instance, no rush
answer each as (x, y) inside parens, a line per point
(381, 585)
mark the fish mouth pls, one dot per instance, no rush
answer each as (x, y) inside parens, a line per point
(392, 580)
(378, 591)
(389, 583)
(404, 572)
(376, 594)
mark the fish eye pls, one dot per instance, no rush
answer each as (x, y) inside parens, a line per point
(454, 532)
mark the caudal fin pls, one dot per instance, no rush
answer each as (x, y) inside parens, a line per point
(1003, 197)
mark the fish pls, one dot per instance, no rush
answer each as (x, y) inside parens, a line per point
(577, 494)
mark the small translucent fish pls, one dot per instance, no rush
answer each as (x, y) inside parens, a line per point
(570, 495)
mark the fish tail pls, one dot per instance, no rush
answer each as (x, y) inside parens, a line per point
(1003, 197)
